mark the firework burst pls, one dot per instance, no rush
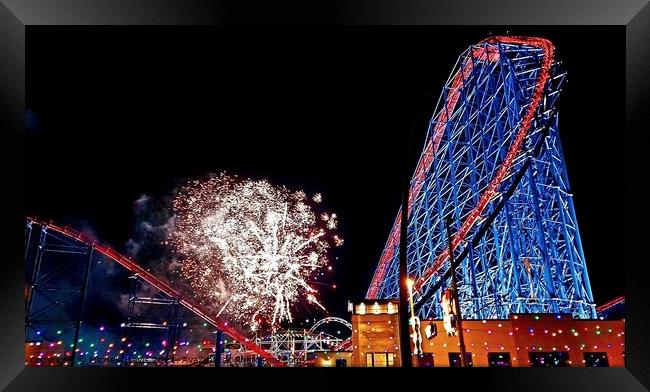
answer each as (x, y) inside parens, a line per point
(248, 248)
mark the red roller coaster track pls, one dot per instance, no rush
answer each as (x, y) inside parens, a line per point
(426, 160)
(610, 304)
(163, 287)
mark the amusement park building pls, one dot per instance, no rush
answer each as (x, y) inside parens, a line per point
(523, 340)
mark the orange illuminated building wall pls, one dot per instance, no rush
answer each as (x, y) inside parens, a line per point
(523, 340)
(375, 334)
(332, 359)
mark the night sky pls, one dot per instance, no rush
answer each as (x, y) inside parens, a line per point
(117, 113)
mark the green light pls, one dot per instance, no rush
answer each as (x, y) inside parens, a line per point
(597, 332)
(59, 332)
(81, 340)
(205, 324)
(536, 317)
(146, 345)
(92, 344)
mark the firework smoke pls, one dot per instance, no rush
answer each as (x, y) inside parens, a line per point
(248, 248)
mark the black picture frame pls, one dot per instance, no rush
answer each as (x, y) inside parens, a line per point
(17, 15)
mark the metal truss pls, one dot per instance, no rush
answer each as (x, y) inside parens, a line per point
(294, 345)
(139, 305)
(493, 163)
(57, 271)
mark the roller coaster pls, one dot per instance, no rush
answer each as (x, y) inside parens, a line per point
(295, 345)
(493, 165)
(47, 308)
(45, 239)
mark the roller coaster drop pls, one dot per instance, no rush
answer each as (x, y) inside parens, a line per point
(493, 163)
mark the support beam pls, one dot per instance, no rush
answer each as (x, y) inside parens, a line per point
(84, 286)
(218, 344)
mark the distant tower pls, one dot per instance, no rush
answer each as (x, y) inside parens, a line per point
(493, 162)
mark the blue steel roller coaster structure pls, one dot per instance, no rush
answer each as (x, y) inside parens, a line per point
(493, 163)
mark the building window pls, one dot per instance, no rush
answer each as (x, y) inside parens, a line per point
(499, 360)
(425, 360)
(596, 360)
(549, 359)
(380, 359)
(454, 359)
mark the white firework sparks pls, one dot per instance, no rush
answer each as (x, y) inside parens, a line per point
(250, 248)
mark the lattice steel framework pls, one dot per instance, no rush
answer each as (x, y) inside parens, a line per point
(493, 163)
(294, 345)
